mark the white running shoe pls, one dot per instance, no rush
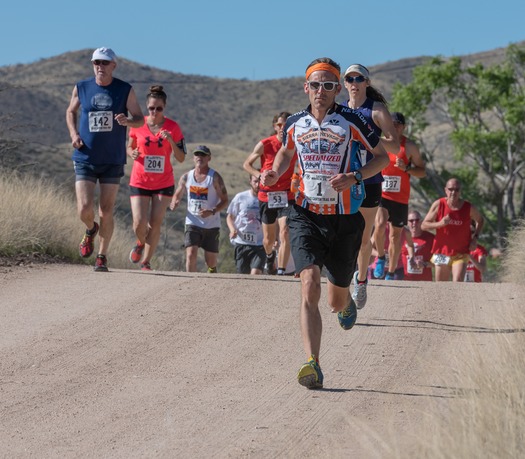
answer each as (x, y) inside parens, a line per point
(359, 293)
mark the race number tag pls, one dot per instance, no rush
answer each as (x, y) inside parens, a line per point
(318, 189)
(154, 164)
(440, 259)
(100, 121)
(469, 275)
(277, 199)
(196, 205)
(250, 238)
(413, 269)
(392, 183)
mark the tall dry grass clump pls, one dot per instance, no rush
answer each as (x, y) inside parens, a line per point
(38, 217)
(487, 420)
(514, 261)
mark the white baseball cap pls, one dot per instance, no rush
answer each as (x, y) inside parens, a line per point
(105, 54)
(358, 68)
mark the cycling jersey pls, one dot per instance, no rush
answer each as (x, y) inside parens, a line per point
(323, 151)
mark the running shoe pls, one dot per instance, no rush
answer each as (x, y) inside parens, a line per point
(136, 252)
(101, 264)
(269, 266)
(348, 316)
(379, 270)
(87, 244)
(389, 276)
(310, 375)
(212, 270)
(359, 293)
(145, 266)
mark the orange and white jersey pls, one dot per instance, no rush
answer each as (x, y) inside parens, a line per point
(323, 151)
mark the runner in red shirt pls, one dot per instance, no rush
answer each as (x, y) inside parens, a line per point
(275, 200)
(477, 263)
(152, 183)
(393, 208)
(450, 217)
(423, 240)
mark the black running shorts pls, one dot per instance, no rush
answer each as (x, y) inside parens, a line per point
(330, 241)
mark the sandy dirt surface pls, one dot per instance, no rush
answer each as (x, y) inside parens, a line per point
(130, 364)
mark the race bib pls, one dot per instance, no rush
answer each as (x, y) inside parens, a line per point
(469, 275)
(154, 164)
(277, 199)
(440, 259)
(414, 269)
(100, 121)
(196, 205)
(249, 237)
(392, 183)
(318, 189)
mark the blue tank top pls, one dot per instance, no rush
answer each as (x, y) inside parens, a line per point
(358, 149)
(104, 139)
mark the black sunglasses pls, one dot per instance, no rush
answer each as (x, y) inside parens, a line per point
(357, 79)
(101, 62)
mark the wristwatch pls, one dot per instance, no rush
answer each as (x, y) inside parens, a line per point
(358, 177)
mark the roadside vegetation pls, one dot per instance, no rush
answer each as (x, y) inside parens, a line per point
(485, 420)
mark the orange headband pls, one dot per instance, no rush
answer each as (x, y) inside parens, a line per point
(322, 66)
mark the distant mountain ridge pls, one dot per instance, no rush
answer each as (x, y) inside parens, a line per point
(230, 114)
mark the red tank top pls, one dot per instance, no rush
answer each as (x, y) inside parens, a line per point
(453, 239)
(271, 146)
(396, 184)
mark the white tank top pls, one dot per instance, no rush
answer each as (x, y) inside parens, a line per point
(202, 195)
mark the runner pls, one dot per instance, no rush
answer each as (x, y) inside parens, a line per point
(99, 140)
(393, 209)
(206, 197)
(152, 183)
(325, 225)
(408, 245)
(423, 241)
(367, 100)
(275, 201)
(477, 263)
(246, 234)
(450, 218)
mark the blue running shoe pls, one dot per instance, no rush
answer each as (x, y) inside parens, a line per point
(389, 276)
(379, 270)
(310, 375)
(348, 316)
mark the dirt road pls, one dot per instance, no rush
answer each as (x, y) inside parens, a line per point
(163, 364)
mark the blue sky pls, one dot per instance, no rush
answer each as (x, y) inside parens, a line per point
(258, 40)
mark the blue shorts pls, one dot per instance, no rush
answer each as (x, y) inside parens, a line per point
(104, 173)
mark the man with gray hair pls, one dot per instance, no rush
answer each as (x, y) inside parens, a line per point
(107, 107)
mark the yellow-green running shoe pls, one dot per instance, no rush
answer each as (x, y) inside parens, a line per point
(310, 375)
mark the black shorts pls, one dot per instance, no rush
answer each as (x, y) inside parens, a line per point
(135, 191)
(207, 239)
(397, 212)
(332, 241)
(248, 257)
(269, 216)
(373, 193)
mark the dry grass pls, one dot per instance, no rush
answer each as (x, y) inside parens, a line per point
(514, 261)
(37, 216)
(487, 421)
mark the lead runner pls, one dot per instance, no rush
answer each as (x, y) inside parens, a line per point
(325, 225)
